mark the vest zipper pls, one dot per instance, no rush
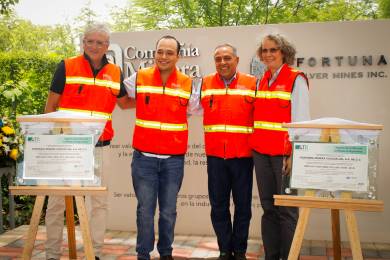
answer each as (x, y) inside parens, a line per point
(224, 144)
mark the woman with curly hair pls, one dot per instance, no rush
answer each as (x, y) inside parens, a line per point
(281, 97)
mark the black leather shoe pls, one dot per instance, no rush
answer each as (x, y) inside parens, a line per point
(225, 256)
(166, 257)
(239, 256)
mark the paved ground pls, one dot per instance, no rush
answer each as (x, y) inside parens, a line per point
(121, 246)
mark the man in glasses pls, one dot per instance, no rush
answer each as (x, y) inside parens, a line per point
(226, 98)
(88, 84)
(162, 95)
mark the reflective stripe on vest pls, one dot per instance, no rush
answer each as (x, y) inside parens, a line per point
(274, 94)
(269, 126)
(89, 112)
(239, 92)
(161, 90)
(228, 129)
(160, 125)
(93, 81)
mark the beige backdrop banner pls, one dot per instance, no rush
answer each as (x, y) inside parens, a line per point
(347, 64)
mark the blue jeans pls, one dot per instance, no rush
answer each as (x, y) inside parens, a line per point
(156, 179)
(225, 177)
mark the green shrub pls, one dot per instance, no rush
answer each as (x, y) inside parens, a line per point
(25, 79)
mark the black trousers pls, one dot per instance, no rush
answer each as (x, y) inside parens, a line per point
(230, 177)
(277, 223)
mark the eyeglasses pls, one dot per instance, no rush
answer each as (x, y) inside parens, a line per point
(98, 44)
(270, 50)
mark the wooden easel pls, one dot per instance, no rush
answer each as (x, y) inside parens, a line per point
(348, 205)
(69, 192)
(329, 133)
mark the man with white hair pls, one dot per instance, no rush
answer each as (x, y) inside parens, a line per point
(89, 84)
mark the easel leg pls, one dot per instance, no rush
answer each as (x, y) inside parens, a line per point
(336, 234)
(299, 233)
(70, 227)
(353, 235)
(84, 226)
(33, 228)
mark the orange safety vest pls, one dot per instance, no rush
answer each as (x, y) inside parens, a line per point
(161, 112)
(272, 108)
(228, 115)
(95, 96)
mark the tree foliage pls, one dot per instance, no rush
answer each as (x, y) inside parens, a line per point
(155, 14)
(384, 8)
(125, 19)
(18, 34)
(86, 17)
(24, 82)
(5, 5)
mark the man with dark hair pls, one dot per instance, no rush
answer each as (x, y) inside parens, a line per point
(91, 85)
(169, 37)
(162, 95)
(226, 98)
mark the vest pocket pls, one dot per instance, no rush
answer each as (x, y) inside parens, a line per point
(209, 103)
(147, 103)
(174, 103)
(76, 94)
(183, 101)
(114, 92)
(249, 100)
(284, 103)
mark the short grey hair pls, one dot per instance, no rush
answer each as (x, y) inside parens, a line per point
(287, 48)
(227, 45)
(97, 27)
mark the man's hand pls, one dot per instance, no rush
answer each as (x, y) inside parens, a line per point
(52, 102)
(126, 102)
(286, 170)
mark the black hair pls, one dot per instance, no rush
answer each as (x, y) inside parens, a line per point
(171, 38)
